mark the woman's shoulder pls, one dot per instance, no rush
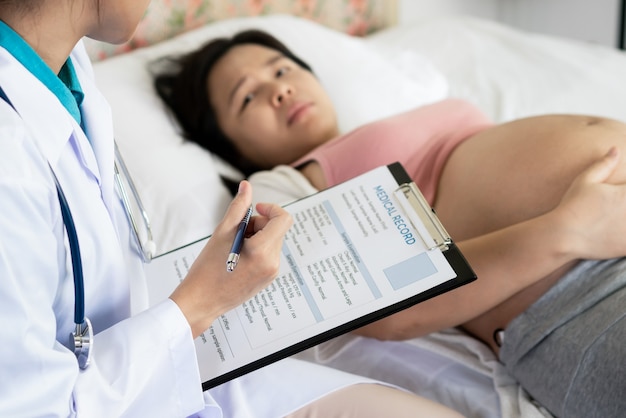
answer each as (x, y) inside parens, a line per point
(445, 106)
(18, 152)
(282, 184)
(443, 112)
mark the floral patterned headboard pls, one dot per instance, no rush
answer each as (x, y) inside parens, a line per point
(167, 18)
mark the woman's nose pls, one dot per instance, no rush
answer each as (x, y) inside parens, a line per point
(281, 93)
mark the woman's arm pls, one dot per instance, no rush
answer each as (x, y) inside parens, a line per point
(587, 223)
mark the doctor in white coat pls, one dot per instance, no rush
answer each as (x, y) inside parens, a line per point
(55, 123)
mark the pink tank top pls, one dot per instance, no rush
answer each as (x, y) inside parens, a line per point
(420, 139)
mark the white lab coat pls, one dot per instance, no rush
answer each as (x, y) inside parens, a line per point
(143, 359)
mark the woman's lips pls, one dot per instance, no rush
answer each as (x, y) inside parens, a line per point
(297, 111)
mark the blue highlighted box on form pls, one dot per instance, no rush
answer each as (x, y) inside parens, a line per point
(410, 271)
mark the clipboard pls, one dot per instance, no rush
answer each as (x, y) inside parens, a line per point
(362, 283)
(436, 231)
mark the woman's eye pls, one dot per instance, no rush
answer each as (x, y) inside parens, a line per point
(247, 99)
(281, 71)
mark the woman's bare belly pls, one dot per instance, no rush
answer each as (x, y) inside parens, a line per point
(513, 172)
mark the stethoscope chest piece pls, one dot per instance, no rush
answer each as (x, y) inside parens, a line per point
(82, 340)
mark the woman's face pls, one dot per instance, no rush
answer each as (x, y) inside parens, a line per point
(272, 109)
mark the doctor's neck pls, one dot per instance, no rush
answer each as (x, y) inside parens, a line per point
(51, 28)
(54, 27)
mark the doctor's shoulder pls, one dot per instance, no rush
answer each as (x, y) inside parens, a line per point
(20, 158)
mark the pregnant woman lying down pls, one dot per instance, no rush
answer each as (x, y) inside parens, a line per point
(536, 205)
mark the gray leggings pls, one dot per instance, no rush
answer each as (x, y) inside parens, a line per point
(568, 350)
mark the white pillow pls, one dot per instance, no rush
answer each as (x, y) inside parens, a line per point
(179, 182)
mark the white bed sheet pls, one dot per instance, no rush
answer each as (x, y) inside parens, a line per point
(507, 73)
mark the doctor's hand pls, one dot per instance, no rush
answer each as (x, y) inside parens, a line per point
(209, 290)
(593, 211)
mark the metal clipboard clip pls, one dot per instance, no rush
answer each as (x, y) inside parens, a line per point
(423, 217)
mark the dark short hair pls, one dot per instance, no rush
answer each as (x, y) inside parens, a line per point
(181, 82)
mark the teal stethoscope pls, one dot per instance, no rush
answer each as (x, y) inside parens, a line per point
(82, 337)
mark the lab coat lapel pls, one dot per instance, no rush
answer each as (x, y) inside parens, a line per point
(97, 122)
(52, 126)
(40, 115)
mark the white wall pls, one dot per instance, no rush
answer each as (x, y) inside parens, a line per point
(412, 10)
(587, 20)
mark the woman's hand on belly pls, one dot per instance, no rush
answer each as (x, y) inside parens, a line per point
(592, 207)
(516, 199)
(596, 211)
(521, 169)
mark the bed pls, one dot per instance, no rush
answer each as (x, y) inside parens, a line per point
(506, 72)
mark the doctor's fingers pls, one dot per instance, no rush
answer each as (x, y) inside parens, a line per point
(271, 217)
(236, 210)
(264, 247)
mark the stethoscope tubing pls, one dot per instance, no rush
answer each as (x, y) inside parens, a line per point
(77, 263)
(68, 221)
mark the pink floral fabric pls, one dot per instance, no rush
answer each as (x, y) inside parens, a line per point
(167, 18)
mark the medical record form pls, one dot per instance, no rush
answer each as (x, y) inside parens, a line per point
(356, 252)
